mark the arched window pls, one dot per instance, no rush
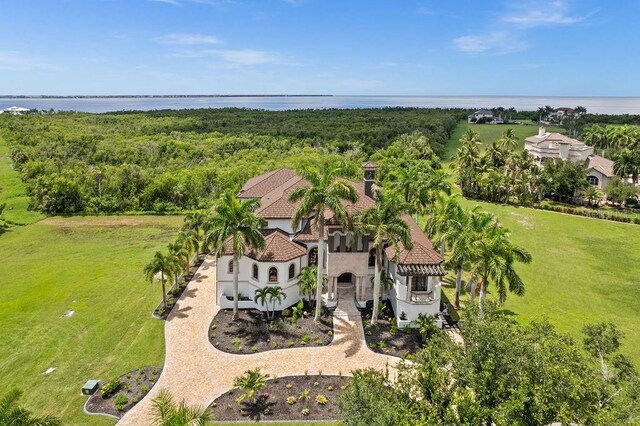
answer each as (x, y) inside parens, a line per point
(593, 180)
(230, 268)
(255, 271)
(292, 271)
(273, 274)
(313, 256)
(372, 257)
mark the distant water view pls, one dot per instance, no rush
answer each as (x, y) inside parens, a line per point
(600, 105)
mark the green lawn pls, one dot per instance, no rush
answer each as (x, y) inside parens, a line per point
(491, 132)
(583, 270)
(92, 266)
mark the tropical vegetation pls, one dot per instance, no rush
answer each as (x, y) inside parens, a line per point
(167, 412)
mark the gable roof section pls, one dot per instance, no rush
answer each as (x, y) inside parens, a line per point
(259, 186)
(422, 252)
(554, 137)
(309, 234)
(277, 248)
(601, 164)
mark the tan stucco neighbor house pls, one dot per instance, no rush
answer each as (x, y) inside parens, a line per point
(555, 146)
(600, 171)
(349, 260)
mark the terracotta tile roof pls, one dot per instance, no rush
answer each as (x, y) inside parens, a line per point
(278, 248)
(601, 164)
(309, 234)
(260, 186)
(276, 204)
(422, 252)
(364, 202)
(369, 165)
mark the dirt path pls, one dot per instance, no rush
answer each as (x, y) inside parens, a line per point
(197, 372)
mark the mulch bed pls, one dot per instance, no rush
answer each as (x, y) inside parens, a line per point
(385, 337)
(275, 405)
(174, 293)
(252, 333)
(134, 385)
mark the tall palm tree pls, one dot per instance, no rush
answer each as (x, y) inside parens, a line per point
(443, 219)
(325, 193)
(627, 163)
(167, 413)
(163, 265)
(383, 224)
(12, 414)
(493, 258)
(460, 239)
(495, 155)
(197, 223)
(236, 223)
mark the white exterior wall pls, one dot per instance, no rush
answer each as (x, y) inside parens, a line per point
(247, 285)
(284, 224)
(602, 179)
(400, 299)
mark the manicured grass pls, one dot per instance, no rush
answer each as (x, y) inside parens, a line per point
(12, 192)
(92, 266)
(583, 271)
(491, 132)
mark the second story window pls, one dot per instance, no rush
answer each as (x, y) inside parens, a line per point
(292, 271)
(273, 274)
(255, 271)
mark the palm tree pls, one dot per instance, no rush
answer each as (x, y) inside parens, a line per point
(509, 140)
(262, 296)
(592, 194)
(627, 163)
(251, 382)
(163, 265)
(235, 223)
(493, 257)
(307, 283)
(12, 414)
(442, 219)
(167, 413)
(197, 222)
(326, 193)
(460, 238)
(276, 294)
(383, 224)
(495, 155)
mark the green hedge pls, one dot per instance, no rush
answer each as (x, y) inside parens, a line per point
(598, 214)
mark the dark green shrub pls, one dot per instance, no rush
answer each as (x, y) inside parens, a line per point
(110, 387)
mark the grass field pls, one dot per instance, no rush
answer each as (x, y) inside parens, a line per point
(92, 266)
(12, 192)
(489, 133)
(583, 270)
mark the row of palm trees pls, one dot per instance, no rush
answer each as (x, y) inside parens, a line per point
(479, 244)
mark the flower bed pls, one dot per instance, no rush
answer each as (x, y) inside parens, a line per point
(311, 397)
(385, 337)
(251, 332)
(118, 395)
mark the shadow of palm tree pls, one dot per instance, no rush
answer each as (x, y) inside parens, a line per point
(180, 313)
(349, 336)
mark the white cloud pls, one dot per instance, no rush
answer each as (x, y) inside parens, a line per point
(173, 2)
(188, 39)
(531, 15)
(494, 43)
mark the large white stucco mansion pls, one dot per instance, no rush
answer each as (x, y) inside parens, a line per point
(348, 260)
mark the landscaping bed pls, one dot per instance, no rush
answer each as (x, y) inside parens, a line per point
(174, 293)
(251, 332)
(117, 396)
(286, 398)
(385, 337)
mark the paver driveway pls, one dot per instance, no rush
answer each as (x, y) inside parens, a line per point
(197, 372)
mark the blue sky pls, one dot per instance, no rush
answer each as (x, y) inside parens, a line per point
(396, 47)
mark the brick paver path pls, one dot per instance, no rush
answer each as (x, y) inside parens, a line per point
(198, 373)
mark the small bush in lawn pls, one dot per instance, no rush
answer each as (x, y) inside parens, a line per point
(291, 400)
(144, 389)
(304, 395)
(236, 341)
(321, 399)
(141, 371)
(305, 412)
(110, 387)
(120, 401)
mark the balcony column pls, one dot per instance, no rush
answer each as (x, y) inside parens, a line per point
(409, 280)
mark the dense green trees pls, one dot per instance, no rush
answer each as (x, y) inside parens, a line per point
(504, 374)
(166, 412)
(184, 160)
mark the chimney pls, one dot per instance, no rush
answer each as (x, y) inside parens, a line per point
(541, 131)
(369, 177)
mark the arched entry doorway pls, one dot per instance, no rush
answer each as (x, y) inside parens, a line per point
(346, 279)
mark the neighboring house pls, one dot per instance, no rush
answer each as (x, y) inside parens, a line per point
(560, 114)
(600, 170)
(555, 146)
(485, 114)
(348, 260)
(14, 110)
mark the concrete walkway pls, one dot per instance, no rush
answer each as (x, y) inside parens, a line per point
(198, 373)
